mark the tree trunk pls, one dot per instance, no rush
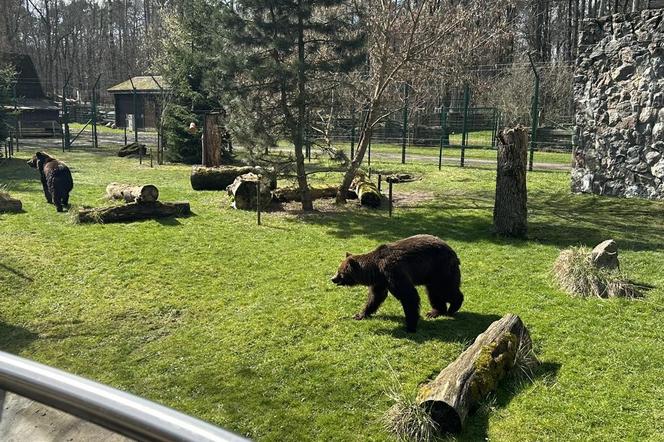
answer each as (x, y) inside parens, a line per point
(245, 192)
(510, 212)
(8, 204)
(216, 143)
(219, 178)
(307, 204)
(133, 212)
(362, 145)
(476, 372)
(140, 194)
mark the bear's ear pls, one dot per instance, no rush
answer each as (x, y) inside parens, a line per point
(352, 262)
(348, 254)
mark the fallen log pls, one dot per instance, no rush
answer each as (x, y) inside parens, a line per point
(128, 193)
(245, 193)
(475, 373)
(132, 149)
(366, 191)
(293, 193)
(9, 204)
(219, 178)
(132, 212)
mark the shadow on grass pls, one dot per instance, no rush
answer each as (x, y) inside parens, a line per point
(15, 272)
(477, 424)
(14, 338)
(16, 173)
(463, 327)
(560, 219)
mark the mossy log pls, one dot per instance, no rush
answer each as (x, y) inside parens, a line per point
(366, 191)
(132, 149)
(293, 193)
(475, 373)
(133, 212)
(244, 191)
(10, 205)
(128, 193)
(219, 178)
(510, 211)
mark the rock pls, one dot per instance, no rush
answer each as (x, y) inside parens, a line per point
(658, 169)
(605, 255)
(652, 157)
(623, 72)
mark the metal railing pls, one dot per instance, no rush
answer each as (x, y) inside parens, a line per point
(120, 412)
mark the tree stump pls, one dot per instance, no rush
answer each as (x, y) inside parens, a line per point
(510, 212)
(476, 372)
(245, 193)
(133, 212)
(219, 178)
(9, 204)
(128, 193)
(366, 191)
(132, 149)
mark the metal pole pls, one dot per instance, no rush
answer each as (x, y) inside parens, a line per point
(369, 155)
(443, 134)
(464, 135)
(95, 141)
(404, 134)
(389, 204)
(352, 137)
(534, 114)
(380, 178)
(65, 116)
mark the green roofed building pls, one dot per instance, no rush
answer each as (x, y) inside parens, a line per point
(147, 91)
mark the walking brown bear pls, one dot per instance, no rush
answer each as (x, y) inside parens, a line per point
(55, 178)
(398, 267)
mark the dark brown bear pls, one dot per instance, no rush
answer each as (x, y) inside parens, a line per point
(55, 178)
(399, 267)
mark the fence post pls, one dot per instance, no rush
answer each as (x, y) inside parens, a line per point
(443, 134)
(464, 134)
(389, 204)
(369, 154)
(258, 201)
(534, 114)
(95, 142)
(352, 136)
(65, 116)
(404, 134)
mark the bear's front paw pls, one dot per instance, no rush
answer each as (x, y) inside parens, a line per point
(359, 316)
(433, 314)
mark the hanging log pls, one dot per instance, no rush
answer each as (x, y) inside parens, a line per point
(245, 193)
(219, 178)
(510, 212)
(133, 149)
(9, 204)
(128, 193)
(476, 372)
(133, 212)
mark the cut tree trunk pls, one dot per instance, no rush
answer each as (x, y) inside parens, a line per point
(245, 192)
(133, 212)
(132, 149)
(140, 194)
(366, 191)
(11, 205)
(216, 141)
(510, 212)
(219, 178)
(476, 372)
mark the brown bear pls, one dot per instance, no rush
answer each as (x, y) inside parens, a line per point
(55, 178)
(399, 267)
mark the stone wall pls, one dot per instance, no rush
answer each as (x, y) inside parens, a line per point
(619, 96)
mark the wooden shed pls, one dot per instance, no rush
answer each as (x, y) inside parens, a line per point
(148, 91)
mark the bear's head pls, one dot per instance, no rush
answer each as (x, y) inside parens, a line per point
(349, 272)
(38, 160)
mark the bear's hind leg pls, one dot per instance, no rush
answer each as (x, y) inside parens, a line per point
(437, 301)
(455, 302)
(377, 294)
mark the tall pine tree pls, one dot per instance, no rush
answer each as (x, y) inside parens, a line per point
(279, 54)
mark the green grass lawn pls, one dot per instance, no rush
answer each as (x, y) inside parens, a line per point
(239, 324)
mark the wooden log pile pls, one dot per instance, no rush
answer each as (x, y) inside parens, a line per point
(475, 373)
(219, 178)
(141, 204)
(128, 193)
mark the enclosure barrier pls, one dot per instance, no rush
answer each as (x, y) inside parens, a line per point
(113, 409)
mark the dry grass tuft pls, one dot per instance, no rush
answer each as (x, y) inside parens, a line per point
(577, 275)
(408, 421)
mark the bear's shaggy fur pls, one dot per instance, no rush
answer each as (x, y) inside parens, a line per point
(398, 267)
(55, 178)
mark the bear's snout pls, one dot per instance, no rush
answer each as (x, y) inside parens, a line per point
(336, 279)
(31, 163)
